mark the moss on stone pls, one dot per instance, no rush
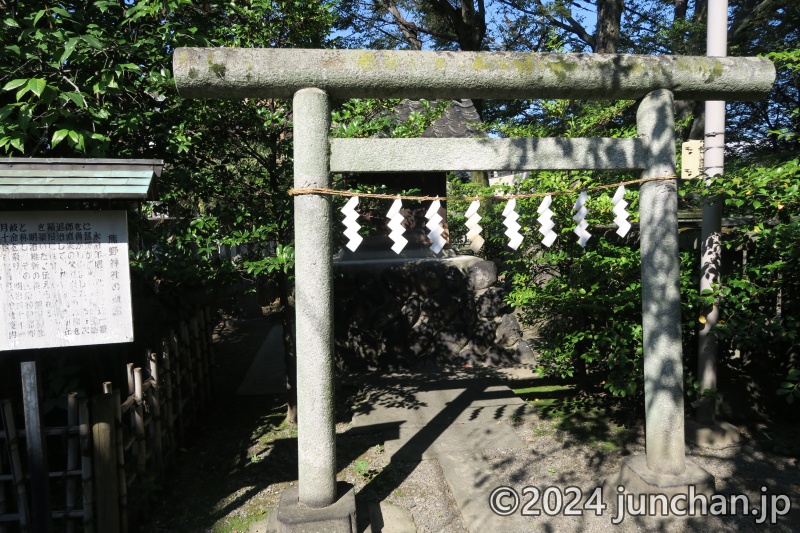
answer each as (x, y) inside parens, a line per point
(480, 63)
(560, 67)
(366, 59)
(716, 71)
(218, 69)
(390, 61)
(526, 66)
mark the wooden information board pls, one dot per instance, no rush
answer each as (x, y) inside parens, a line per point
(64, 279)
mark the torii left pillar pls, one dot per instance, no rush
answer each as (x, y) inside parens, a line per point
(316, 503)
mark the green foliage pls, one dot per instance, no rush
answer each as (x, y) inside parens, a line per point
(72, 73)
(586, 304)
(791, 387)
(787, 62)
(565, 118)
(367, 117)
(93, 78)
(758, 300)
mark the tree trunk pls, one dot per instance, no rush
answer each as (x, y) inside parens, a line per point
(609, 17)
(479, 176)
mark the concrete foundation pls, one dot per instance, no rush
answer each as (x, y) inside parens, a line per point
(714, 436)
(638, 485)
(339, 517)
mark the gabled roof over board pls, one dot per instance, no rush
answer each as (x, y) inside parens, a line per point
(49, 179)
(460, 120)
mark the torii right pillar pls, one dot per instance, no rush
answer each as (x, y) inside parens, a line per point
(664, 468)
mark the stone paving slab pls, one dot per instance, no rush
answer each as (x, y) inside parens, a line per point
(416, 444)
(385, 517)
(470, 479)
(451, 420)
(442, 407)
(422, 424)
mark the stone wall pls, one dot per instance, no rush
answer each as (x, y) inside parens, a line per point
(391, 314)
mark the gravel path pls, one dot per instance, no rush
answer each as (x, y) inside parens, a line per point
(236, 465)
(583, 452)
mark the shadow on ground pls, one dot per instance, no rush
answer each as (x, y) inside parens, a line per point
(238, 457)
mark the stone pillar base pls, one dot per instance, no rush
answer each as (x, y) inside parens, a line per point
(682, 493)
(339, 517)
(715, 436)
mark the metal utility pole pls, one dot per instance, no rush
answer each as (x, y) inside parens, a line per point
(711, 232)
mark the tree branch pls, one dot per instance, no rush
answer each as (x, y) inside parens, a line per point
(742, 26)
(409, 29)
(572, 25)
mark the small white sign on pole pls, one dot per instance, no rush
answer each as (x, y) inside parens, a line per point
(64, 279)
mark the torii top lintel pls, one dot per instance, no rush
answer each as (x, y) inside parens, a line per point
(279, 73)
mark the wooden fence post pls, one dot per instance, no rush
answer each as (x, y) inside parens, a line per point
(86, 466)
(185, 352)
(104, 436)
(138, 417)
(154, 401)
(17, 475)
(202, 351)
(36, 442)
(179, 401)
(73, 454)
(197, 355)
(2, 493)
(209, 335)
(129, 375)
(168, 397)
(122, 479)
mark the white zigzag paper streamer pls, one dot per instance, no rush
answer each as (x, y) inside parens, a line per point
(546, 221)
(475, 239)
(396, 225)
(350, 217)
(580, 218)
(511, 223)
(621, 219)
(434, 224)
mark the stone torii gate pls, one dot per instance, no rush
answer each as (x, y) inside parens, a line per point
(313, 77)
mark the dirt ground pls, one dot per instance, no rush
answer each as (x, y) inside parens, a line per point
(240, 456)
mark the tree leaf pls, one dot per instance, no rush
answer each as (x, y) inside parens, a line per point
(22, 91)
(13, 84)
(78, 98)
(39, 15)
(17, 143)
(58, 136)
(69, 47)
(93, 41)
(37, 86)
(61, 12)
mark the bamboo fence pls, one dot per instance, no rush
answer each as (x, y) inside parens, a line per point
(117, 449)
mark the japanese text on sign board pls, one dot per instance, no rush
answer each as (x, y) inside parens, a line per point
(64, 279)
